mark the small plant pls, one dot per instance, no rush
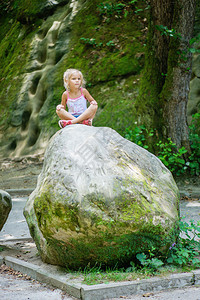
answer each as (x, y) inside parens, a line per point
(172, 158)
(88, 269)
(150, 263)
(110, 9)
(132, 268)
(110, 44)
(138, 10)
(133, 2)
(194, 41)
(164, 30)
(194, 135)
(90, 42)
(139, 135)
(186, 251)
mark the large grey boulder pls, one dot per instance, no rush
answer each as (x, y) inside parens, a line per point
(5, 207)
(100, 199)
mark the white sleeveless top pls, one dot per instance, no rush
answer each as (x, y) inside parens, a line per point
(76, 106)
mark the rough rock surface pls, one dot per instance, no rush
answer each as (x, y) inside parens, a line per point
(5, 207)
(32, 103)
(100, 199)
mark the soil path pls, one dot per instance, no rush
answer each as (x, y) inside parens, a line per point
(20, 173)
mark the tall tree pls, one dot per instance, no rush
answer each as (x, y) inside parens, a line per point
(165, 83)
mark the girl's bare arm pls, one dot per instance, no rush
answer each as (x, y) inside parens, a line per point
(89, 97)
(63, 102)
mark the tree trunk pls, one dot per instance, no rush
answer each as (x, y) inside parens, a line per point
(176, 89)
(165, 83)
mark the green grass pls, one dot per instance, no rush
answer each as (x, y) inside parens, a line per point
(97, 276)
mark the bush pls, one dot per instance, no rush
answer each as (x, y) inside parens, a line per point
(167, 152)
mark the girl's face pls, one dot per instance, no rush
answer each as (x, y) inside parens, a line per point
(75, 81)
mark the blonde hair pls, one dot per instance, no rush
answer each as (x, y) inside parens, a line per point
(67, 75)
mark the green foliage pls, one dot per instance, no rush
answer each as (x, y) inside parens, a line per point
(149, 263)
(194, 158)
(174, 159)
(110, 9)
(110, 44)
(91, 42)
(139, 135)
(132, 267)
(186, 251)
(25, 11)
(195, 41)
(164, 30)
(167, 152)
(171, 157)
(5, 6)
(119, 9)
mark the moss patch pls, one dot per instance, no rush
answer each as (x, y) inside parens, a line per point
(108, 250)
(106, 242)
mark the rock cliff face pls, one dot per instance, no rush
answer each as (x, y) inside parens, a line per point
(100, 199)
(47, 48)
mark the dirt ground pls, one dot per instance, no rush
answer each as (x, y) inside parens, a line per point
(20, 173)
(22, 249)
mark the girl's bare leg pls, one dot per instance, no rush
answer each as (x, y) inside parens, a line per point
(89, 113)
(64, 115)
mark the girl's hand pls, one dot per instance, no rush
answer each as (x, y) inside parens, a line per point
(59, 106)
(93, 102)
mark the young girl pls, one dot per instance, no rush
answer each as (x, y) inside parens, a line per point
(76, 98)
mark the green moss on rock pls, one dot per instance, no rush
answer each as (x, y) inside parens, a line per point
(108, 242)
